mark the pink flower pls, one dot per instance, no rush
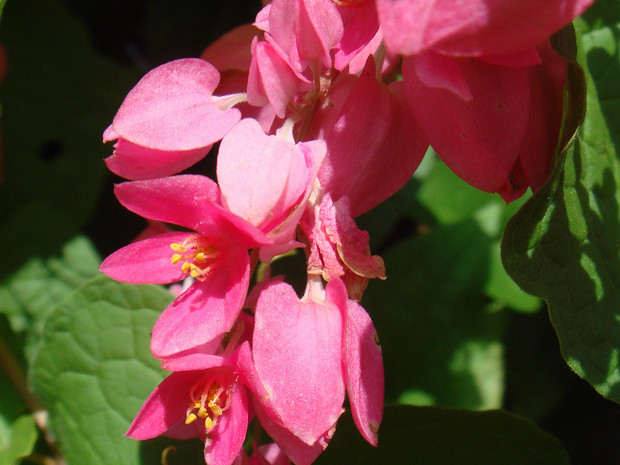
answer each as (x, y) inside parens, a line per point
(198, 400)
(304, 30)
(169, 120)
(361, 37)
(231, 54)
(228, 222)
(282, 175)
(489, 111)
(505, 120)
(338, 248)
(374, 144)
(215, 256)
(304, 354)
(272, 80)
(473, 28)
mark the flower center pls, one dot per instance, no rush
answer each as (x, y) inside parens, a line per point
(198, 258)
(208, 404)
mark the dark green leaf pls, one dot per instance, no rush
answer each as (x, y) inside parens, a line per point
(440, 340)
(437, 436)
(564, 245)
(452, 200)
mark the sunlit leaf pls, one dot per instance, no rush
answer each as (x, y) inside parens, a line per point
(564, 245)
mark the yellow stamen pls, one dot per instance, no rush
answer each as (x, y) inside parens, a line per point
(190, 418)
(217, 411)
(176, 258)
(202, 412)
(178, 247)
(209, 423)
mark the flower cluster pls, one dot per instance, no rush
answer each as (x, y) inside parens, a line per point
(322, 110)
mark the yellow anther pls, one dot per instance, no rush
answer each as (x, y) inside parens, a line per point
(178, 247)
(209, 423)
(190, 418)
(217, 411)
(176, 258)
(202, 412)
(197, 404)
(200, 257)
(186, 267)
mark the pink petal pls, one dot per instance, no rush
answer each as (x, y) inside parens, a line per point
(442, 72)
(193, 361)
(175, 200)
(135, 162)
(306, 30)
(232, 50)
(546, 105)
(206, 310)
(351, 242)
(298, 451)
(224, 441)
(302, 178)
(191, 201)
(246, 153)
(246, 370)
(262, 18)
(478, 139)
(271, 79)
(297, 354)
(373, 143)
(323, 257)
(360, 27)
(146, 261)
(526, 57)
(165, 407)
(363, 371)
(272, 454)
(474, 27)
(171, 108)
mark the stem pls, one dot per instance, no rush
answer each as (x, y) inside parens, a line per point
(17, 377)
(226, 102)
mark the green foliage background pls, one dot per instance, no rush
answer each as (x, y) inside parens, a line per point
(476, 372)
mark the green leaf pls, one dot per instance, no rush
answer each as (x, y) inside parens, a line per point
(449, 198)
(57, 99)
(440, 341)
(436, 436)
(17, 431)
(94, 369)
(31, 293)
(564, 244)
(452, 200)
(22, 436)
(501, 288)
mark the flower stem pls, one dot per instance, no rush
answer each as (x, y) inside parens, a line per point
(16, 376)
